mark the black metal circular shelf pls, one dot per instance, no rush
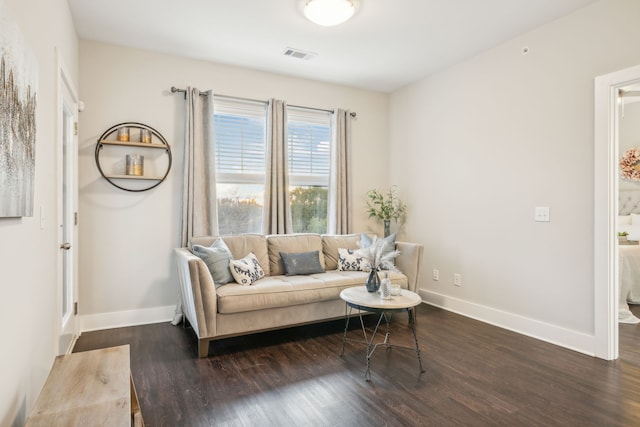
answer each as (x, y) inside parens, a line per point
(102, 141)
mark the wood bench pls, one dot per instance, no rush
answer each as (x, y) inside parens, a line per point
(89, 388)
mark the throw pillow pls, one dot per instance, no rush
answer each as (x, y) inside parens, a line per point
(217, 258)
(349, 260)
(301, 263)
(246, 270)
(624, 219)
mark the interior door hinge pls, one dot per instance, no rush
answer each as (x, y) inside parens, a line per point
(75, 218)
(75, 308)
(75, 128)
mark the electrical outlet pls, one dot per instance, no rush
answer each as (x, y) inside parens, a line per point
(436, 274)
(457, 279)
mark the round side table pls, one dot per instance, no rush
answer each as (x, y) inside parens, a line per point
(362, 300)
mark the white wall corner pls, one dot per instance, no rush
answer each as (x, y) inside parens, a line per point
(120, 319)
(573, 340)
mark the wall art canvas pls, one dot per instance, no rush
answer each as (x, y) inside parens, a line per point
(18, 86)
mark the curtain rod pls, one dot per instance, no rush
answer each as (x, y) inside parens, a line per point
(175, 89)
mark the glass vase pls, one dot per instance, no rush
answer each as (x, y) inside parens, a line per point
(387, 227)
(373, 281)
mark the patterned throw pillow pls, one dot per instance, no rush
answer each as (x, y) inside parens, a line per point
(246, 270)
(349, 260)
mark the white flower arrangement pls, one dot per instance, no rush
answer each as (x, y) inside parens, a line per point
(378, 256)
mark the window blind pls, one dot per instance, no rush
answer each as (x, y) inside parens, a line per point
(309, 139)
(239, 140)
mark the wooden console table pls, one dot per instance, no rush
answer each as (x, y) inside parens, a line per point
(89, 388)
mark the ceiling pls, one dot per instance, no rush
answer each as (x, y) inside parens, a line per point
(386, 45)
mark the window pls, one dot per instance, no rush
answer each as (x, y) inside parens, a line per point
(309, 141)
(240, 150)
(240, 140)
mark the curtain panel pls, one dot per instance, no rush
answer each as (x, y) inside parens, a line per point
(199, 205)
(340, 193)
(277, 212)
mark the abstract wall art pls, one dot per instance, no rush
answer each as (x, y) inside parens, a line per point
(18, 86)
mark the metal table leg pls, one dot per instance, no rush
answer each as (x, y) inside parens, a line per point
(369, 342)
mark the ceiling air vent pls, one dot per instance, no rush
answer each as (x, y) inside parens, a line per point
(297, 53)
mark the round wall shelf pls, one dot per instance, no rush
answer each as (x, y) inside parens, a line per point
(123, 148)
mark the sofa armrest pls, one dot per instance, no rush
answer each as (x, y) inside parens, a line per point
(198, 293)
(409, 262)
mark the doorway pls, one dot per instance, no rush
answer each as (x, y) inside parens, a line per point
(67, 111)
(606, 188)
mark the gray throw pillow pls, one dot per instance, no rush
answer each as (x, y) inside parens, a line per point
(217, 259)
(301, 263)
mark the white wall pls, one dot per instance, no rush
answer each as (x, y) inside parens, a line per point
(28, 270)
(126, 269)
(492, 138)
(629, 138)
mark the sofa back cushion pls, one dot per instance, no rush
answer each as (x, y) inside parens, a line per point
(291, 243)
(241, 245)
(202, 241)
(330, 245)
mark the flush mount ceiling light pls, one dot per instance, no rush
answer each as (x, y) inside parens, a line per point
(329, 12)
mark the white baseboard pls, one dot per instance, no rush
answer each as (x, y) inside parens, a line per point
(119, 319)
(577, 341)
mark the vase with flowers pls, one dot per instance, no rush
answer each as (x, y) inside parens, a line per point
(385, 206)
(378, 256)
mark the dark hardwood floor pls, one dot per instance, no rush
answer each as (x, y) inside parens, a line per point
(476, 375)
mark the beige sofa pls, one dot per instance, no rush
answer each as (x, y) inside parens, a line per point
(276, 301)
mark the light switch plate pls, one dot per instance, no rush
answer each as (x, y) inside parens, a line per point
(542, 214)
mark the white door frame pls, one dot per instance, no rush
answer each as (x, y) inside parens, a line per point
(66, 91)
(605, 254)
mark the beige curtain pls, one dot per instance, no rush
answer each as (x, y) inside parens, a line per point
(340, 215)
(277, 212)
(199, 209)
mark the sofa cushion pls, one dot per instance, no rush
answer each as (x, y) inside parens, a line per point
(330, 245)
(301, 263)
(284, 291)
(217, 258)
(291, 243)
(246, 270)
(242, 244)
(350, 260)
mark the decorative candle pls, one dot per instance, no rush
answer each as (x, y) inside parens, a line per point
(123, 134)
(135, 165)
(145, 136)
(395, 289)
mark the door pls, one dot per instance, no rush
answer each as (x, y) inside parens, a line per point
(606, 290)
(67, 213)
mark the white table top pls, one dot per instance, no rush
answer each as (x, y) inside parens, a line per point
(360, 296)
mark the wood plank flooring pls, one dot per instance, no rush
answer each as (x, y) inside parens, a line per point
(476, 375)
